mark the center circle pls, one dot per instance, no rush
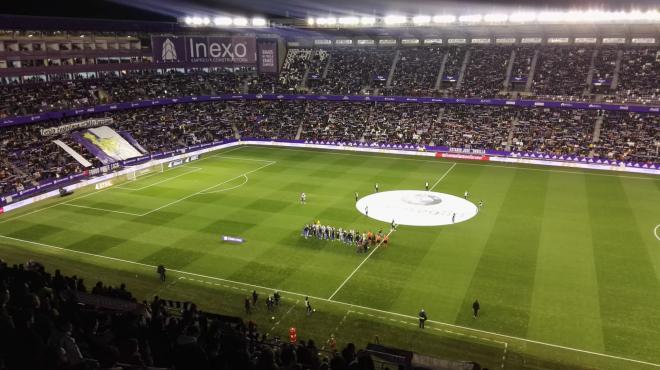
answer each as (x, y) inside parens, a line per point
(416, 208)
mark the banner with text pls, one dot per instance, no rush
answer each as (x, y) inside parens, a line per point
(267, 56)
(221, 51)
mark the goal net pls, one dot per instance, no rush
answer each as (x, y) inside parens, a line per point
(144, 172)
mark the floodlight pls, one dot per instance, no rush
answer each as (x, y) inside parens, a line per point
(522, 17)
(394, 19)
(367, 21)
(258, 22)
(310, 21)
(240, 21)
(188, 21)
(421, 19)
(197, 21)
(349, 21)
(550, 17)
(206, 21)
(444, 18)
(496, 18)
(472, 18)
(222, 21)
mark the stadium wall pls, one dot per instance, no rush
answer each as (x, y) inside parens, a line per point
(410, 150)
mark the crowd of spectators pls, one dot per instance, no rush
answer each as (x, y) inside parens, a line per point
(350, 70)
(522, 65)
(554, 131)
(604, 66)
(561, 71)
(27, 157)
(417, 71)
(628, 136)
(485, 72)
(54, 322)
(640, 68)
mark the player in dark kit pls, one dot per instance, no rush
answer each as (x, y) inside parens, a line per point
(422, 318)
(376, 188)
(247, 305)
(161, 272)
(356, 196)
(475, 308)
(427, 186)
(254, 297)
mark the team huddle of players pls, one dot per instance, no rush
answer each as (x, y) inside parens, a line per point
(361, 241)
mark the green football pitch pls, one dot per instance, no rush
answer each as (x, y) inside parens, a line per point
(565, 263)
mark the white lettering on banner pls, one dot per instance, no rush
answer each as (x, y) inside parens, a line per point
(103, 185)
(93, 122)
(175, 163)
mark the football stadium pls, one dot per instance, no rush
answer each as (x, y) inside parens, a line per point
(279, 185)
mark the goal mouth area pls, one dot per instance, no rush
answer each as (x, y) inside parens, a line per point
(416, 208)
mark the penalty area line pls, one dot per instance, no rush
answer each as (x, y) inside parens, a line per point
(655, 231)
(360, 265)
(355, 306)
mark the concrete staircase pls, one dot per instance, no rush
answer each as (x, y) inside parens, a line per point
(461, 76)
(438, 80)
(596, 135)
(390, 76)
(509, 69)
(237, 134)
(617, 70)
(592, 70)
(532, 71)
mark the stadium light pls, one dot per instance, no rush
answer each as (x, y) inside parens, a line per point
(391, 20)
(329, 21)
(522, 17)
(472, 18)
(196, 21)
(222, 21)
(188, 21)
(258, 22)
(367, 21)
(421, 20)
(240, 21)
(496, 18)
(310, 21)
(551, 17)
(349, 21)
(444, 18)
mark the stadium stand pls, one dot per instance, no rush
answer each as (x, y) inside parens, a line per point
(31, 157)
(54, 321)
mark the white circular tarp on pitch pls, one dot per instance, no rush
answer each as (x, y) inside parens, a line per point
(416, 208)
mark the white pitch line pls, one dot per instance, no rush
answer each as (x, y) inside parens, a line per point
(338, 302)
(655, 231)
(401, 157)
(123, 187)
(239, 158)
(443, 176)
(232, 188)
(101, 209)
(360, 265)
(106, 189)
(205, 190)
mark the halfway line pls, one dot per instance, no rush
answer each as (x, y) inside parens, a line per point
(443, 176)
(360, 265)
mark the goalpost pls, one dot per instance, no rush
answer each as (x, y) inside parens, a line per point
(151, 170)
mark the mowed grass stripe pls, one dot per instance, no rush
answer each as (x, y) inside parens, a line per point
(629, 291)
(504, 279)
(644, 199)
(566, 249)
